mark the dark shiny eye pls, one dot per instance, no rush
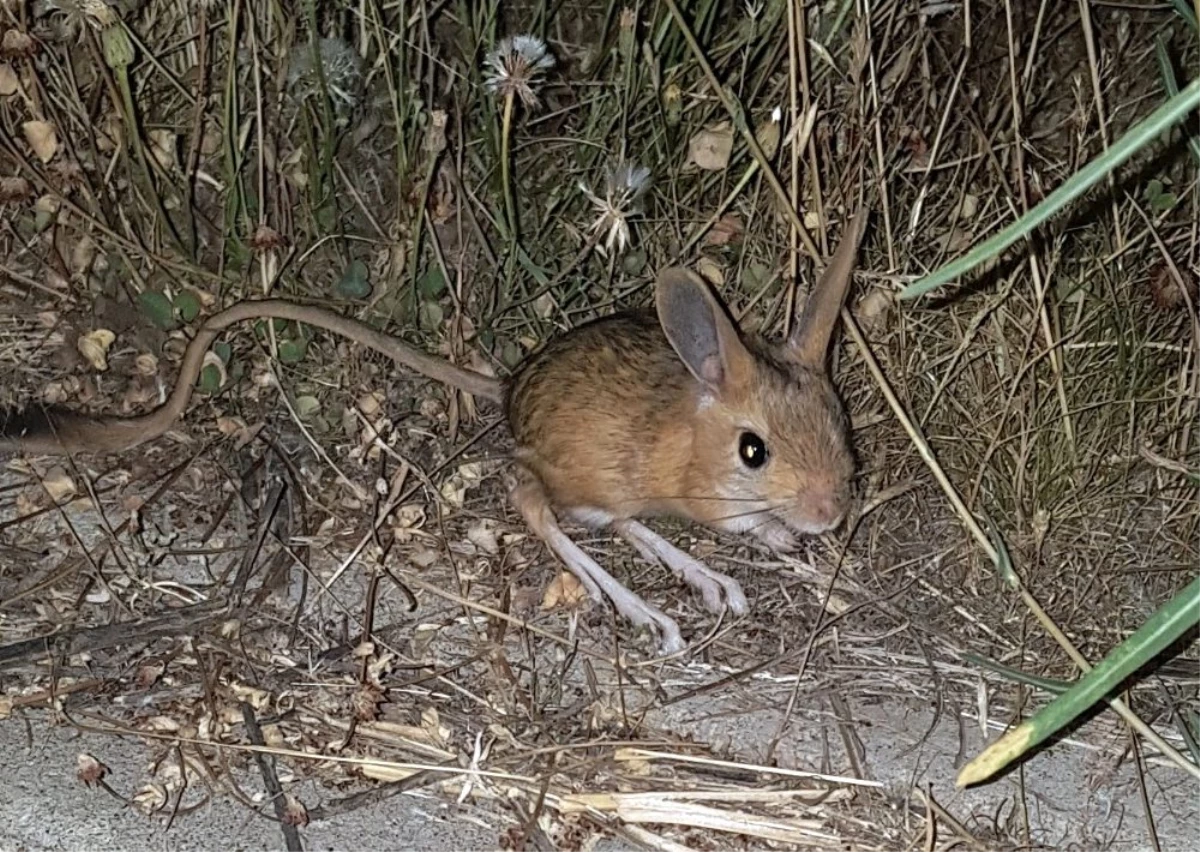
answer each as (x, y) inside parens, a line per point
(752, 450)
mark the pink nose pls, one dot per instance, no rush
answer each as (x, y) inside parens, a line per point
(826, 511)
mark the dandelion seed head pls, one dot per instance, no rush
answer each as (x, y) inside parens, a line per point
(516, 66)
(341, 66)
(625, 186)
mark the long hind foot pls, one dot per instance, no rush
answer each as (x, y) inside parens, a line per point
(711, 584)
(530, 499)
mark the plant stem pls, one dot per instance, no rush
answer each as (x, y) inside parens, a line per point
(510, 207)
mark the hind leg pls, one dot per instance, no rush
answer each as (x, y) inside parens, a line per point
(710, 583)
(530, 500)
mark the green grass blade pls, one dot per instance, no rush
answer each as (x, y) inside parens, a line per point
(1170, 113)
(1185, 12)
(1167, 72)
(1177, 616)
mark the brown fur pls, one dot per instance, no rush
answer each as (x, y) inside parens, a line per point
(609, 418)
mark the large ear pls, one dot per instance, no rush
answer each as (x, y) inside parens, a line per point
(700, 332)
(809, 340)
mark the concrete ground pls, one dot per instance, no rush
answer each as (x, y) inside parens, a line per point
(45, 807)
(1078, 798)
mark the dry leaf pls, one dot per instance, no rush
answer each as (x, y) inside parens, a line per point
(1167, 291)
(42, 139)
(918, 148)
(544, 305)
(728, 229)
(273, 736)
(83, 253)
(18, 44)
(293, 168)
(482, 535)
(150, 798)
(294, 813)
(206, 298)
(711, 271)
(163, 144)
(431, 723)
(25, 505)
(9, 84)
(145, 364)
(147, 674)
(710, 148)
(365, 701)
(768, 133)
(408, 519)
(386, 772)
(46, 204)
(94, 347)
(163, 724)
(455, 488)
(59, 485)
(566, 590)
(212, 141)
(872, 310)
(228, 426)
(14, 189)
(88, 769)
(371, 403)
(969, 206)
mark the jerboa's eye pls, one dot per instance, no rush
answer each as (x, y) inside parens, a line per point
(752, 450)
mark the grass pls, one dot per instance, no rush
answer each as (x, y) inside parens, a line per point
(1053, 393)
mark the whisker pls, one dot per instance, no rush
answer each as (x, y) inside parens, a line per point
(762, 507)
(703, 497)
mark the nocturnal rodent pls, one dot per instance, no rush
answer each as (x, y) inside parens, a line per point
(664, 411)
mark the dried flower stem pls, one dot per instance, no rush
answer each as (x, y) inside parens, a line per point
(510, 206)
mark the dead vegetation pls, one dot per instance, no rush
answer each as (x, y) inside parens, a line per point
(321, 564)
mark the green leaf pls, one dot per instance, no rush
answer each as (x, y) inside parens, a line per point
(431, 315)
(511, 354)
(1158, 198)
(1162, 202)
(237, 254)
(326, 216)
(307, 406)
(293, 351)
(42, 220)
(210, 379)
(223, 351)
(187, 305)
(158, 309)
(354, 284)
(432, 283)
(755, 277)
(634, 262)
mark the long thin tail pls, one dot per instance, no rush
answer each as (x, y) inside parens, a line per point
(58, 431)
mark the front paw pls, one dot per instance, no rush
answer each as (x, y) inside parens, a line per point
(776, 536)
